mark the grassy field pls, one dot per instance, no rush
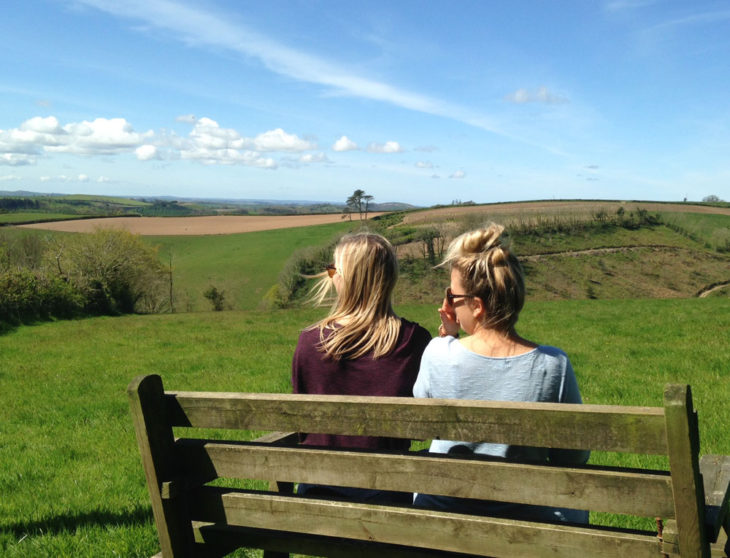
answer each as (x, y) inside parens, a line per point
(71, 482)
(244, 266)
(70, 474)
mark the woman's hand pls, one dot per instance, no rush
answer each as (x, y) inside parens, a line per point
(449, 323)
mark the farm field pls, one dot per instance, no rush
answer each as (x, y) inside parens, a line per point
(192, 226)
(70, 473)
(506, 212)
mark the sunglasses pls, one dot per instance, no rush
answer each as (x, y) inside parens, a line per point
(450, 297)
(331, 270)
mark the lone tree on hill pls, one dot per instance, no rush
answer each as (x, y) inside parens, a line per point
(367, 199)
(355, 203)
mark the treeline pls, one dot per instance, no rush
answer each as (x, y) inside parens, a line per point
(109, 272)
(15, 204)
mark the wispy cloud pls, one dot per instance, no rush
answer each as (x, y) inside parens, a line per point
(717, 16)
(541, 95)
(198, 26)
(624, 5)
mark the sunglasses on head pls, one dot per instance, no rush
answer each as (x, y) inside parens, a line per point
(450, 297)
(331, 270)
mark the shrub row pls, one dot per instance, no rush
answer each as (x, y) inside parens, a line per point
(106, 272)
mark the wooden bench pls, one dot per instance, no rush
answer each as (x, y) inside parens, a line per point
(195, 518)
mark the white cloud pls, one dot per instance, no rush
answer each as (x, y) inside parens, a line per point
(16, 159)
(314, 158)
(210, 144)
(542, 95)
(186, 118)
(9, 177)
(387, 147)
(38, 135)
(424, 164)
(103, 179)
(65, 178)
(458, 174)
(147, 152)
(105, 136)
(344, 144)
(279, 140)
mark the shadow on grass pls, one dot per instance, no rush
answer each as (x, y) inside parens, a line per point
(69, 523)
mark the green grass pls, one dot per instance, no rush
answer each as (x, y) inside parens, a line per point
(245, 266)
(712, 230)
(70, 474)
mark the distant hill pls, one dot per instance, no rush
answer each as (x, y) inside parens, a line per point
(24, 207)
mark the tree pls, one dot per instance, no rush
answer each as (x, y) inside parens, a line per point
(355, 202)
(368, 199)
(711, 199)
(114, 270)
(216, 297)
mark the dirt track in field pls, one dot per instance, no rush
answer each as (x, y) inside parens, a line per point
(191, 226)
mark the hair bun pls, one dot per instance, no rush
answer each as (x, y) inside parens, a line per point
(483, 240)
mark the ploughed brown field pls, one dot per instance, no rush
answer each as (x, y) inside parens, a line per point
(192, 226)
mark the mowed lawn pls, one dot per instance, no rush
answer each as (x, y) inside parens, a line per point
(71, 481)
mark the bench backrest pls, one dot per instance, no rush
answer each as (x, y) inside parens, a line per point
(177, 469)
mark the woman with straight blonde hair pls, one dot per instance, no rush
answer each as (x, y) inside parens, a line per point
(362, 347)
(485, 297)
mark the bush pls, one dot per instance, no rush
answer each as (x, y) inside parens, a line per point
(28, 296)
(116, 272)
(216, 297)
(107, 272)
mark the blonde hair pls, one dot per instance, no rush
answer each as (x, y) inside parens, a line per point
(490, 271)
(368, 269)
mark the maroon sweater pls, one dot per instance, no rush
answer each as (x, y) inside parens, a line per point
(391, 375)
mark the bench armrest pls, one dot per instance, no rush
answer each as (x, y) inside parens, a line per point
(715, 471)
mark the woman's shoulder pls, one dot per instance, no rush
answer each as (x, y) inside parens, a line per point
(552, 354)
(551, 351)
(413, 330)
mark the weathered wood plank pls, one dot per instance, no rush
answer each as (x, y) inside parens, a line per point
(309, 545)
(481, 536)
(683, 446)
(156, 443)
(715, 471)
(596, 427)
(608, 490)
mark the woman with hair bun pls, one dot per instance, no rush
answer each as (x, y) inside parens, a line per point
(361, 348)
(485, 297)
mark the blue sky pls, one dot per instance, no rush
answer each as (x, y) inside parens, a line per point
(421, 102)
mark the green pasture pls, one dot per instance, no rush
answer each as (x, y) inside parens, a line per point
(70, 474)
(245, 266)
(712, 230)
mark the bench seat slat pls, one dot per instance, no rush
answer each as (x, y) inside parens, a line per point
(643, 493)
(481, 536)
(595, 427)
(227, 538)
